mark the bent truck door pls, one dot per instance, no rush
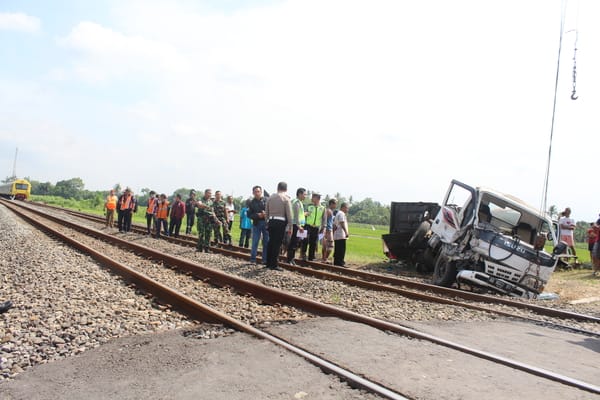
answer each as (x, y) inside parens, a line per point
(457, 211)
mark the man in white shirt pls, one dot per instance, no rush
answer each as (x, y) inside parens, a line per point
(567, 226)
(340, 235)
(230, 208)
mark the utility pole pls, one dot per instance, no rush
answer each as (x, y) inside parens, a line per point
(14, 174)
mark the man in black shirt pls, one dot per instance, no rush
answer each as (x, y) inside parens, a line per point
(257, 214)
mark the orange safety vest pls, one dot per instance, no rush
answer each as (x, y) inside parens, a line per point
(126, 202)
(150, 209)
(162, 211)
(111, 202)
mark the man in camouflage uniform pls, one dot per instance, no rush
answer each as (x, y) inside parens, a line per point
(220, 210)
(206, 221)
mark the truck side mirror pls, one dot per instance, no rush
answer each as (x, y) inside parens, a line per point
(560, 248)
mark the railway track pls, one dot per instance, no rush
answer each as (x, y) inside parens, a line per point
(404, 287)
(270, 295)
(202, 312)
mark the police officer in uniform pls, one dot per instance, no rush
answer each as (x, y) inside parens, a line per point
(279, 223)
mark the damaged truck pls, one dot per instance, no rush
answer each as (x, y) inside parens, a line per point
(478, 237)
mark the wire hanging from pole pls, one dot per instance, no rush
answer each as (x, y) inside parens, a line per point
(574, 92)
(543, 206)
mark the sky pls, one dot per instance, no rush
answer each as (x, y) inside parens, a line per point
(382, 99)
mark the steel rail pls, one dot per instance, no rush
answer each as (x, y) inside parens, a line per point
(275, 296)
(200, 311)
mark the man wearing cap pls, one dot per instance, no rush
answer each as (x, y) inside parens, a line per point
(279, 222)
(190, 210)
(315, 222)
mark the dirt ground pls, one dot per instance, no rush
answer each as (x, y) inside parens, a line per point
(576, 284)
(171, 366)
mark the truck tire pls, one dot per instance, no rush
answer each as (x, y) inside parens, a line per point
(417, 238)
(429, 259)
(444, 272)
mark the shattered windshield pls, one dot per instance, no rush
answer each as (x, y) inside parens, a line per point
(504, 215)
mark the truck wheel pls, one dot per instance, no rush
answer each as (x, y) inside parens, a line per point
(444, 272)
(429, 259)
(417, 238)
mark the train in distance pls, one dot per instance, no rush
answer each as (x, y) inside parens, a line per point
(19, 189)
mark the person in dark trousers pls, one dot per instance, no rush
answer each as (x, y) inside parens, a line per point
(340, 235)
(327, 245)
(151, 211)
(220, 210)
(245, 225)
(190, 212)
(279, 221)
(314, 225)
(162, 212)
(126, 206)
(177, 213)
(256, 212)
(297, 224)
(206, 221)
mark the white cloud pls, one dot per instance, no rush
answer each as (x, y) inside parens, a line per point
(19, 22)
(108, 54)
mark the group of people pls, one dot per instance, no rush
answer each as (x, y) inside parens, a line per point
(567, 227)
(593, 238)
(125, 205)
(167, 217)
(274, 220)
(277, 219)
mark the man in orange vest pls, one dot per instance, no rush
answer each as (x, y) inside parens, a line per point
(126, 206)
(110, 205)
(151, 211)
(162, 212)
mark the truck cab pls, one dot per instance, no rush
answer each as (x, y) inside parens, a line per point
(488, 239)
